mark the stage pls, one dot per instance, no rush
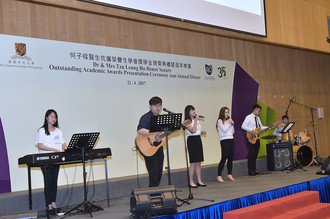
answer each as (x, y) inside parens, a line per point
(243, 186)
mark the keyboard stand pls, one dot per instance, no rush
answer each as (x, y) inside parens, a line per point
(97, 160)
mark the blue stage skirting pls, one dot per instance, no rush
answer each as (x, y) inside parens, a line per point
(321, 185)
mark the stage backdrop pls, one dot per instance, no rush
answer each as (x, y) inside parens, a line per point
(106, 90)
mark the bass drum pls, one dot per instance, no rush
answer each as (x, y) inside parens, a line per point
(303, 155)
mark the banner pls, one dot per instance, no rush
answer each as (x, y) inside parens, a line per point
(103, 89)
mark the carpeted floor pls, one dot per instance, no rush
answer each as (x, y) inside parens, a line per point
(244, 185)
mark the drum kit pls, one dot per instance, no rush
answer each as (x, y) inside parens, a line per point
(302, 153)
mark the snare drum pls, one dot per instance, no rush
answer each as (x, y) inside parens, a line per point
(303, 155)
(303, 138)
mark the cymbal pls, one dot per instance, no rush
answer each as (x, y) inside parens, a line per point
(268, 137)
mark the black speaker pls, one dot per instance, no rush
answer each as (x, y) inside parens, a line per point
(146, 202)
(279, 156)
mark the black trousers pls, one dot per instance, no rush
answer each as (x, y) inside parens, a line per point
(227, 153)
(50, 181)
(154, 165)
(253, 151)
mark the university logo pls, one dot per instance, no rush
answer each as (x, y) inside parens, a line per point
(208, 69)
(20, 50)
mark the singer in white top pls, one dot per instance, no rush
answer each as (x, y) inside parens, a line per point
(225, 127)
(251, 122)
(195, 146)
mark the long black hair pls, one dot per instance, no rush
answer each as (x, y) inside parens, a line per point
(187, 111)
(45, 125)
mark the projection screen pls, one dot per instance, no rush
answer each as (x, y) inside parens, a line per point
(238, 15)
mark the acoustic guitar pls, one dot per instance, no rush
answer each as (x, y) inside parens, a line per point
(254, 135)
(149, 144)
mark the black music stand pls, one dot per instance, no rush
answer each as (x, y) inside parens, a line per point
(287, 128)
(83, 142)
(167, 123)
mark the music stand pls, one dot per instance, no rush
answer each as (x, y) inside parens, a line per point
(287, 128)
(83, 142)
(167, 123)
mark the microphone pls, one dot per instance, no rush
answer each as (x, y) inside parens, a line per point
(200, 116)
(168, 111)
(292, 98)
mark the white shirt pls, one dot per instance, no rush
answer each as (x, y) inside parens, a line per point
(54, 140)
(198, 128)
(278, 130)
(226, 131)
(249, 123)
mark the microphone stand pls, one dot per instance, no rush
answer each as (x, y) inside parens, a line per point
(318, 159)
(190, 195)
(287, 109)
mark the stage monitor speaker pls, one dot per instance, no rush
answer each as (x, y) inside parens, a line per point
(153, 201)
(279, 156)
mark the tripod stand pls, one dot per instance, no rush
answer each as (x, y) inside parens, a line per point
(84, 142)
(190, 195)
(176, 118)
(318, 159)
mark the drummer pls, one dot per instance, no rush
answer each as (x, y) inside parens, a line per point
(279, 128)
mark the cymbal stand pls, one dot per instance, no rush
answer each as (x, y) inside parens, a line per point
(318, 159)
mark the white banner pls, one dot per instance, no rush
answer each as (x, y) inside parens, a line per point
(104, 89)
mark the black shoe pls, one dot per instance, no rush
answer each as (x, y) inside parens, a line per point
(257, 172)
(194, 187)
(201, 185)
(253, 174)
(52, 211)
(57, 210)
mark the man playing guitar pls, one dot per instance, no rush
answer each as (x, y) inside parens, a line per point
(155, 162)
(252, 124)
